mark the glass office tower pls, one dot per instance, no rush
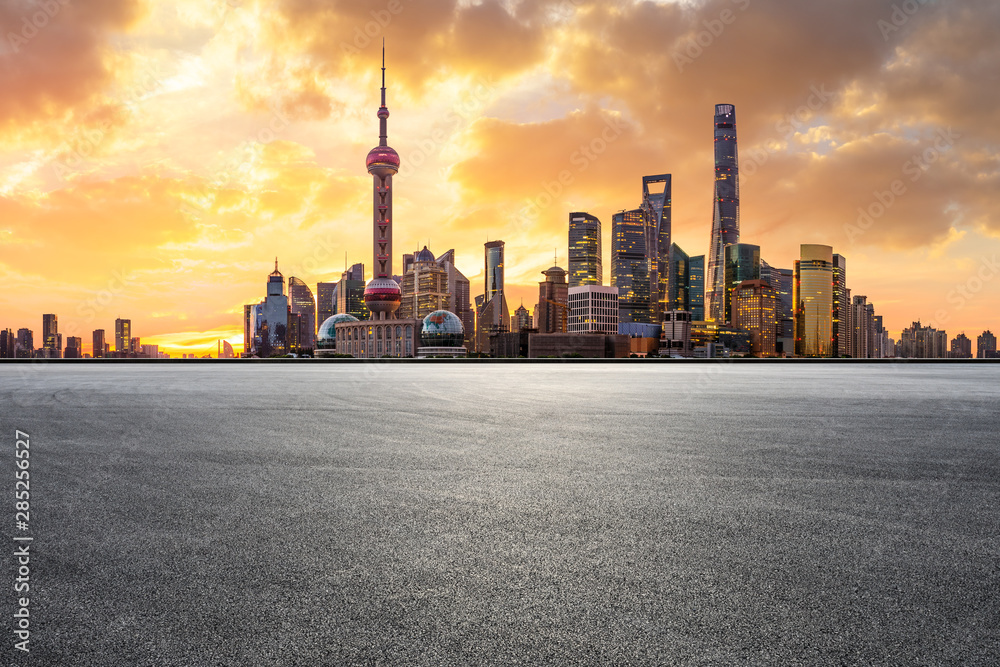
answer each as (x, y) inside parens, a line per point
(841, 309)
(585, 267)
(696, 287)
(725, 208)
(680, 279)
(656, 209)
(813, 298)
(494, 269)
(742, 262)
(630, 267)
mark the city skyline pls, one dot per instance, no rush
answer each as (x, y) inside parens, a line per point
(269, 165)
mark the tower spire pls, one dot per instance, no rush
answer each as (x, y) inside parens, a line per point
(383, 111)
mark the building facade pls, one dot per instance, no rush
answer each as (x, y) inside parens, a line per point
(742, 263)
(585, 264)
(302, 304)
(961, 347)
(842, 309)
(424, 287)
(552, 311)
(813, 298)
(986, 345)
(755, 307)
(725, 209)
(593, 309)
(676, 337)
(123, 334)
(696, 287)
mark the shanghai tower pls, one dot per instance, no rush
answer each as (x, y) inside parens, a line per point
(725, 209)
(382, 294)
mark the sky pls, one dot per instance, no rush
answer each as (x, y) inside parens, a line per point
(156, 155)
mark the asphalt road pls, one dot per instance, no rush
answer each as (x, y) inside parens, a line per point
(429, 514)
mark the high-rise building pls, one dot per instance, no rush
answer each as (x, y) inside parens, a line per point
(920, 342)
(51, 341)
(99, 344)
(493, 252)
(123, 333)
(813, 298)
(74, 348)
(326, 302)
(986, 345)
(656, 207)
(153, 351)
(842, 310)
(134, 346)
(696, 287)
(593, 309)
(640, 253)
(861, 325)
(492, 314)
(585, 266)
(631, 267)
(552, 312)
(349, 293)
(755, 309)
(742, 262)
(271, 318)
(521, 319)
(680, 279)
(424, 287)
(24, 347)
(961, 347)
(725, 209)
(300, 298)
(7, 344)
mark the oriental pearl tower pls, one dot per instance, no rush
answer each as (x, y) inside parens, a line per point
(382, 294)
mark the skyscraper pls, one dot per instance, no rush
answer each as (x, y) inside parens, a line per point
(123, 334)
(424, 287)
(631, 268)
(326, 299)
(460, 295)
(961, 347)
(303, 304)
(986, 345)
(680, 280)
(725, 208)
(656, 208)
(382, 294)
(585, 266)
(24, 348)
(7, 344)
(841, 309)
(754, 304)
(99, 344)
(696, 287)
(521, 319)
(742, 262)
(640, 254)
(493, 252)
(552, 311)
(51, 340)
(861, 328)
(74, 348)
(271, 318)
(813, 298)
(349, 293)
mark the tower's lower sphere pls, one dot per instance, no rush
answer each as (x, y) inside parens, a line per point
(382, 295)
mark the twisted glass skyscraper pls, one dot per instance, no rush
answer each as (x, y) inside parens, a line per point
(725, 209)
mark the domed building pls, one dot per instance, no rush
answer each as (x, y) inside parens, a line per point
(442, 335)
(326, 337)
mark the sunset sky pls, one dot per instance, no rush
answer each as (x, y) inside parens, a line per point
(156, 155)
